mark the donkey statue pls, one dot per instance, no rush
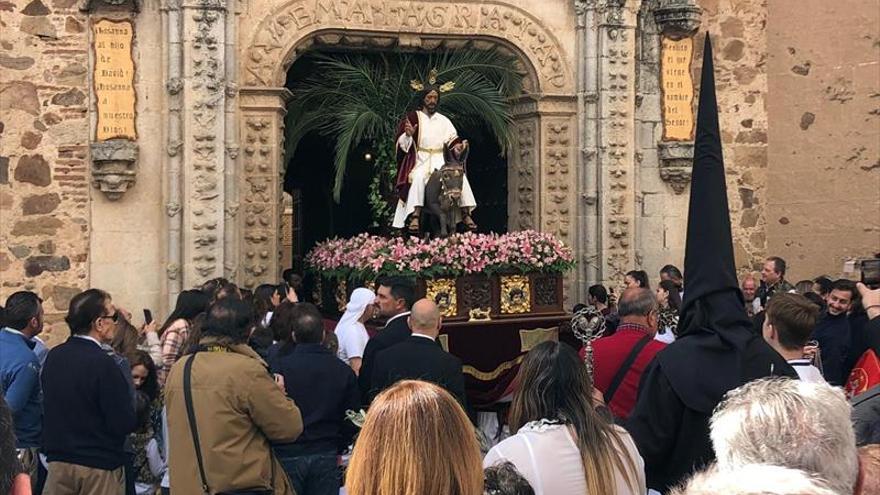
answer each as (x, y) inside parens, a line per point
(443, 193)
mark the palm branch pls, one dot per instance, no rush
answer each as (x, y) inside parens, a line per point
(353, 99)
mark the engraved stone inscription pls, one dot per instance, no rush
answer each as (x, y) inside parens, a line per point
(678, 89)
(114, 80)
(297, 18)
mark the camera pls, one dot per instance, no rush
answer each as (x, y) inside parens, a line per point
(870, 269)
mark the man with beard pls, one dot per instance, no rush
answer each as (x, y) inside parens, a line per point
(422, 134)
(833, 331)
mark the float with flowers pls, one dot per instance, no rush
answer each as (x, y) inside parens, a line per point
(471, 276)
(500, 294)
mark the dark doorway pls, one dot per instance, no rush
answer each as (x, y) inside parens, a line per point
(309, 178)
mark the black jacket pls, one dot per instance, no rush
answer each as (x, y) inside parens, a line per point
(419, 358)
(395, 332)
(834, 337)
(670, 425)
(324, 388)
(87, 408)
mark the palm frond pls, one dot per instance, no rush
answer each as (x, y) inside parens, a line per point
(351, 128)
(357, 98)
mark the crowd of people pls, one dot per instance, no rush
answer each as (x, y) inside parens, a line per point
(258, 393)
(707, 385)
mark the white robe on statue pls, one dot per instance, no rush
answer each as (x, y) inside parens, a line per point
(434, 132)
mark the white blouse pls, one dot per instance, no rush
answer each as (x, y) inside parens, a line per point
(547, 456)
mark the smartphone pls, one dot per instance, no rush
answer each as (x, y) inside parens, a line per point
(871, 273)
(148, 316)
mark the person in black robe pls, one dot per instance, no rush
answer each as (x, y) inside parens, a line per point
(716, 350)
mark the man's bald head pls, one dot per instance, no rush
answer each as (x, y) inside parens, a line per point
(425, 317)
(637, 305)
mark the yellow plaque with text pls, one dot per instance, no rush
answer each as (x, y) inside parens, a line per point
(677, 87)
(114, 79)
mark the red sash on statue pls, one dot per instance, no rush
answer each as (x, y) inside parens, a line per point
(864, 375)
(405, 161)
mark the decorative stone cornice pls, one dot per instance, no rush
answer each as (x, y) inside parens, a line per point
(676, 163)
(678, 18)
(110, 5)
(114, 166)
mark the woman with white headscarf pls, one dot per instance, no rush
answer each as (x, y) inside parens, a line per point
(351, 332)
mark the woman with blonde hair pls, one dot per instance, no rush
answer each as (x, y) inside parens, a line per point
(416, 440)
(562, 446)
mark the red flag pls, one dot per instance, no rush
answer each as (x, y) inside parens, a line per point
(864, 375)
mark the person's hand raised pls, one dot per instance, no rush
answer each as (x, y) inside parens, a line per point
(148, 327)
(870, 300)
(408, 128)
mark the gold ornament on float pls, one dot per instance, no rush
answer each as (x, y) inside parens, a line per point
(442, 292)
(515, 294)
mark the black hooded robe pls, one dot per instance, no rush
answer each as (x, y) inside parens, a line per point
(716, 350)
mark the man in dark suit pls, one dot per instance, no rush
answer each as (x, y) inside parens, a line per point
(419, 357)
(394, 298)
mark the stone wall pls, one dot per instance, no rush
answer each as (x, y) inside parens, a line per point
(739, 42)
(740, 45)
(127, 234)
(823, 183)
(44, 134)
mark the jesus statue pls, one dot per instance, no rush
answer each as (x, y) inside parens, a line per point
(421, 136)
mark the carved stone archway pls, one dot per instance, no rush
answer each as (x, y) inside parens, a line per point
(541, 172)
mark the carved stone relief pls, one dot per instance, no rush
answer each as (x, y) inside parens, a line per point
(114, 166)
(524, 175)
(290, 24)
(618, 79)
(258, 156)
(203, 170)
(557, 177)
(678, 18)
(676, 163)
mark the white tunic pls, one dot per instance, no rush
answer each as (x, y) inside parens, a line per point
(434, 132)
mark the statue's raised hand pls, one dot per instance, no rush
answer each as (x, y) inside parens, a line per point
(408, 128)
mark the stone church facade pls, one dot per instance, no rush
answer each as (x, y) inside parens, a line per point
(192, 191)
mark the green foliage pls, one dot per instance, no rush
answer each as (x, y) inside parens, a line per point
(354, 99)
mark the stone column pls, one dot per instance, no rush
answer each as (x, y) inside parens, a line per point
(522, 175)
(174, 141)
(587, 199)
(616, 156)
(258, 219)
(204, 26)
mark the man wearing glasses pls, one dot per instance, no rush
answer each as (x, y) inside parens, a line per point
(88, 410)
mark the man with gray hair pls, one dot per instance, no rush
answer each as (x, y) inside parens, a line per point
(620, 359)
(754, 479)
(790, 423)
(419, 357)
